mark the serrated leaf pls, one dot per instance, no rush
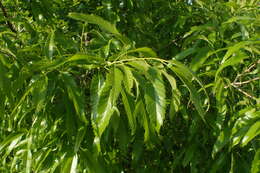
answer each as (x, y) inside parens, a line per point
(116, 78)
(155, 98)
(102, 102)
(128, 78)
(140, 113)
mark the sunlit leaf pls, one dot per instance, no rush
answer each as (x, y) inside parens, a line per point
(253, 131)
(155, 98)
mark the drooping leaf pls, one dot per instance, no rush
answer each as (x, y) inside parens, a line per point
(146, 50)
(117, 78)
(76, 95)
(255, 167)
(232, 61)
(103, 24)
(185, 53)
(253, 131)
(128, 102)
(175, 98)
(102, 102)
(95, 20)
(242, 126)
(155, 98)
(235, 48)
(128, 78)
(141, 114)
(186, 76)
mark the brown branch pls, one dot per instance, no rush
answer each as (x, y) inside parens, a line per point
(9, 24)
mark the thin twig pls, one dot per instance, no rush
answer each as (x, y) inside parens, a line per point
(245, 82)
(252, 66)
(9, 24)
(245, 93)
(138, 59)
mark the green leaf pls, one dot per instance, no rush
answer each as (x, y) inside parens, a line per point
(79, 138)
(128, 102)
(128, 78)
(140, 113)
(175, 98)
(235, 59)
(155, 98)
(243, 124)
(77, 59)
(51, 44)
(146, 50)
(185, 53)
(76, 96)
(103, 24)
(222, 140)
(29, 157)
(116, 78)
(186, 77)
(39, 93)
(255, 167)
(102, 102)
(11, 138)
(93, 19)
(200, 58)
(70, 165)
(253, 131)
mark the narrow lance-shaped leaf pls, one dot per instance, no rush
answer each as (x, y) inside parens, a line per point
(128, 102)
(128, 81)
(253, 131)
(75, 95)
(255, 163)
(186, 76)
(117, 78)
(141, 114)
(175, 100)
(232, 61)
(93, 19)
(103, 24)
(146, 50)
(104, 97)
(155, 98)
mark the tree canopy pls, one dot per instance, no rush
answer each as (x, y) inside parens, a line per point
(129, 86)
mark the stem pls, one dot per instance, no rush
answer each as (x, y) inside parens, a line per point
(138, 59)
(245, 93)
(245, 82)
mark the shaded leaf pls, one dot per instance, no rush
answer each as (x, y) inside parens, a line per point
(76, 96)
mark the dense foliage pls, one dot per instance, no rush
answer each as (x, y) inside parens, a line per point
(129, 86)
